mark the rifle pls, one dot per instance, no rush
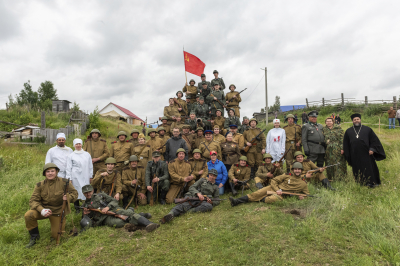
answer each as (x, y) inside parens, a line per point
(296, 140)
(289, 193)
(65, 202)
(237, 94)
(133, 196)
(180, 106)
(280, 161)
(120, 216)
(189, 199)
(243, 184)
(223, 105)
(319, 168)
(246, 148)
(162, 146)
(152, 196)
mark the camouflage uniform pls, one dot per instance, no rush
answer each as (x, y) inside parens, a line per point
(334, 141)
(215, 104)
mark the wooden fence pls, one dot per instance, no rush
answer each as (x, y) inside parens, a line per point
(50, 135)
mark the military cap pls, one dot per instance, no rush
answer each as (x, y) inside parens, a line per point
(267, 155)
(95, 131)
(160, 128)
(197, 96)
(243, 158)
(354, 116)
(201, 98)
(218, 110)
(141, 136)
(290, 116)
(204, 83)
(199, 128)
(202, 75)
(245, 117)
(232, 85)
(192, 112)
(87, 188)
(48, 166)
(232, 110)
(156, 154)
(110, 160)
(215, 71)
(186, 126)
(208, 132)
(164, 118)
(216, 83)
(216, 126)
(179, 92)
(178, 115)
(297, 153)
(213, 172)
(122, 133)
(313, 113)
(133, 158)
(196, 151)
(297, 165)
(193, 81)
(233, 126)
(150, 130)
(253, 119)
(180, 150)
(135, 131)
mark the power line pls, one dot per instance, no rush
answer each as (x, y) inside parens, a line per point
(254, 88)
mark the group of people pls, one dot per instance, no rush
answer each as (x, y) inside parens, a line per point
(196, 154)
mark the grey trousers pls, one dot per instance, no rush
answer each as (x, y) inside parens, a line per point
(186, 207)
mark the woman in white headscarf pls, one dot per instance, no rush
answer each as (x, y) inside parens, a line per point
(276, 141)
(79, 170)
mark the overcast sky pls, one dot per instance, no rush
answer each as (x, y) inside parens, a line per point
(130, 52)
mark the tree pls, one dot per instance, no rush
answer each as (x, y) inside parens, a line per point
(46, 91)
(27, 95)
(277, 104)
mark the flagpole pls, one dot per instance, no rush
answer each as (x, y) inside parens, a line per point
(185, 68)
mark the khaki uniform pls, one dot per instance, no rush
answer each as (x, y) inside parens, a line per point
(109, 184)
(143, 152)
(292, 132)
(128, 174)
(235, 102)
(189, 143)
(167, 128)
(163, 141)
(287, 182)
(254, 155)
(191, 92)
(154, 144)
(309, 165)
(48, 194)
(178, 125)
(220, 121)
(206, 147)
(134, 141)
(178, 170)
(261, 174)
(197, 140)
(170, 111)
(219, 138)
(97, 149)
(197, 166)
(121, 151)
(184, 111)
(240, 173)
(230, 153)
(239, 139)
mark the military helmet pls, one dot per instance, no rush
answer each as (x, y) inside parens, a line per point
(215, 71)
(86, 222)
(135, 131)
(110, 160)
(185, 126)
(48, 166)
(232, 85)
(193, 81)
(156, 154)
(232, 110)
(196, 151)
(95, 131)
(290, 116)
(216, 83)
(160, 128)
(201, 98)
(204, 83)
(192, 112)
(218, 110)
(245, 117)
(297, 165)
(179, 150)
(253, 119)
(199, 128)
(87, 188)
(267, 155)
(164, 118)
(133, 158)
(151, 130)
(202, 75)
(298, 153)
(122, 133)
(243, 158)
(179, 92)
(213, 172)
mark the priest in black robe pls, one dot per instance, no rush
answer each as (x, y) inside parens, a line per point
(362, 149)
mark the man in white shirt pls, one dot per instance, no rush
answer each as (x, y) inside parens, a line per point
(58, 155)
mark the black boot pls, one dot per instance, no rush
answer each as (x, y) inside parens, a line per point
(34, 236)
(125, 201)
(150, 227)
(167, 218)
(252, 173)
(145, 215)
(76, 205)
(234, 192)
(327, 184)
(163, 196)
(259, 186)
(235, 202)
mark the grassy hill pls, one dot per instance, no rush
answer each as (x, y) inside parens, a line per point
(351, 226)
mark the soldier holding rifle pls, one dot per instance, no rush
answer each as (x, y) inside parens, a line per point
(157, 178)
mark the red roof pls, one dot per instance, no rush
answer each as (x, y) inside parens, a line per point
(126, 111)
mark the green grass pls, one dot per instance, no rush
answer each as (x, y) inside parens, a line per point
(352, 226)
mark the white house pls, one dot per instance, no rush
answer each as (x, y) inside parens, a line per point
(116, 111)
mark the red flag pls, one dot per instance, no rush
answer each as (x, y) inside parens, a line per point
(193, 64)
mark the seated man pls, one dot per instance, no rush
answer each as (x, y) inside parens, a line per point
(309, 165)
(239, 173)
(97, 208)
(263, 174)
(289, 182)
(205, 190)
(133, 183)
(46, 203)
(108, 180)
(157, 178)
(199, 165)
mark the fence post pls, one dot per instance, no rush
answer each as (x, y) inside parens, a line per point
(323, 102)
(43, 120)
(342, 96)
(394, 103)
(307, 102)
(366, 101)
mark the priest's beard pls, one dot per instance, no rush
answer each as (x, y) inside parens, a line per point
(357, 124)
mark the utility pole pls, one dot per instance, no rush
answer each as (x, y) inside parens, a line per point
(266, 96)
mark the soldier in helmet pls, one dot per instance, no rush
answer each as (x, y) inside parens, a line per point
(180, 173)
(121, 149)
(191, 90)
(178, 123)
(239, 172)
(199, 165)
(245, 124)
(157, 179)
(263, 174)
(188, 138)
(105, 203)
(313, 139)
(142, 151)
(183, 111)
(219, 120)
(198, 138)
(154, 142)
(237, 137)
(215, 98)
(257, 149)
(232, 120)
(202, 111)
(171, 112)
(217, 80)
(293, 140)
(97, 148)
(192, 121)
(162, 135)
(46, 203)
(205, 88)
(209, 145)
(191, 106)
(166, 126)
(108, 180)
(290, 182)
(133, 184)
(205, 190)
(233, 99)
(134, 134)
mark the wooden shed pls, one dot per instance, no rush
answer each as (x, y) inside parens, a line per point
(60, 105)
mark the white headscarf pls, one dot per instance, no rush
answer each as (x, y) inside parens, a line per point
(277, 121)
(76, 141)
(61, 135)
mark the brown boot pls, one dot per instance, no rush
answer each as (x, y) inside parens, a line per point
(166, 218)
(130, 227)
